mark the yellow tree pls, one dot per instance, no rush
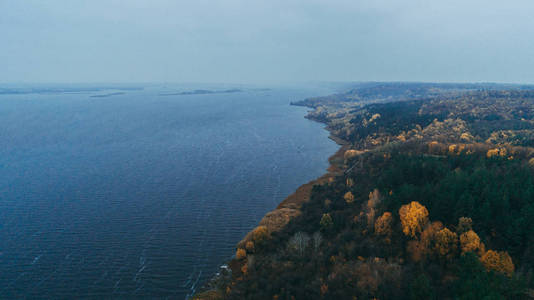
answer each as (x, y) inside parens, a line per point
(446, 242)
(260, 233)
(498, 261)
(414, 217)
(326, 222)
(492, 152)
(349, 197)
(250, 246)
(470, 242)
(240, 254)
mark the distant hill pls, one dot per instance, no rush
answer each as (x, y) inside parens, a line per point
(401, 91)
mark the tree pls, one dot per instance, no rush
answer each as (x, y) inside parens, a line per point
(317, 240)
(326, 222)
(349, 197)
(414, 217)
(428, 236)
(299, 242)
(372, 203)
(464, 224)
(374, 198)
(260, 234)
(446, 242)
(498, 261)
(383, 224)
(240, 254)
(496, 152)
(250, 246)
(420, 249)
(475, 283)
(470, 242)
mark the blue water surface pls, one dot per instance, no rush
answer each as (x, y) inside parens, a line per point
(137, 193)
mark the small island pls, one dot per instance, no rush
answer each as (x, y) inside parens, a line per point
(107, 95)
(202, 92)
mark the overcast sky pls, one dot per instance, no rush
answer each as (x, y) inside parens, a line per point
(248, 41)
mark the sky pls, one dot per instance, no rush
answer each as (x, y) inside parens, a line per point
(254, 41)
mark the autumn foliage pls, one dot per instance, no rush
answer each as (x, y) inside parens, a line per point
(421, 249)
(470, 242)
(250, 246)
(372, 203)
(326, 222)
(349, 197)
(260, 234)
(496, 152)
(383, 224)
(446, 243)
(350, 154)
(433, 151)
(240, 254)
(498, 261)
(414, 217)
(429, 233)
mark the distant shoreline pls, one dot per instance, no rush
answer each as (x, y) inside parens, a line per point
(289, 208)
(64, 90)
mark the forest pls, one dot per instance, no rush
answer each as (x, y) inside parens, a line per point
(432, 197)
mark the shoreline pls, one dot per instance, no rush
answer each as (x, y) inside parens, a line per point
(365, 239)
(287, 209)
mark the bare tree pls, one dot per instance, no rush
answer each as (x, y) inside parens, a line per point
(299, 242)
(317, 240)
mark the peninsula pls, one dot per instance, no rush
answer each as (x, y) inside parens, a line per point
(431, 195)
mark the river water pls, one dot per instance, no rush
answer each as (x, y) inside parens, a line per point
(138, 193)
